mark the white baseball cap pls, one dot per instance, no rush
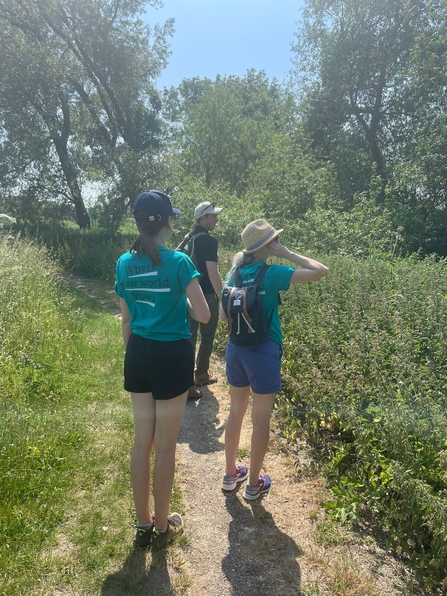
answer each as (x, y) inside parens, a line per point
(206, 208)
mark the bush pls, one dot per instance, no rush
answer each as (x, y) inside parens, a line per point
(92, 253)
(365, 381)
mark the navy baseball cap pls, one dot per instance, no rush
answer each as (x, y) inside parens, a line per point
(155, 204)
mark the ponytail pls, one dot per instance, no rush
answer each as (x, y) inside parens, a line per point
(240, 259)
(145, 243)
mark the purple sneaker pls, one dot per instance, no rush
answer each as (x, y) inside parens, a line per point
(230, 482)
(253, 492)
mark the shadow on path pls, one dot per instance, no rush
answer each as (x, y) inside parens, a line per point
(134, 580)
(200, 423)
(261, 563)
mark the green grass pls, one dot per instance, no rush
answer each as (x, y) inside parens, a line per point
(65, 438)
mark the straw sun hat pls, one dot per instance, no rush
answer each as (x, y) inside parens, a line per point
(257, 234)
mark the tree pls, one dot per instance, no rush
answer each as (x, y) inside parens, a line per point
(353, 59)
(81, 74)
(420, 183)
(220, 128)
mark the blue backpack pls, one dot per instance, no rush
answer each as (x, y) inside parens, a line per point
(248, 325)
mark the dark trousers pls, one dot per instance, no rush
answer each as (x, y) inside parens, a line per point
(207, 333)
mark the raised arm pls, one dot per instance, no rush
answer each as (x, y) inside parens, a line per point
(309, 269)
(197, 305)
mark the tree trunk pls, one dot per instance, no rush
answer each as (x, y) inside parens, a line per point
(82, 216)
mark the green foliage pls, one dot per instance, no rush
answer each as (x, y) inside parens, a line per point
(46, 378)
(366, 230)
(365, 381)
(224, 126)
(353, 54)
(236, 213)
(93, 253)
(77, 102)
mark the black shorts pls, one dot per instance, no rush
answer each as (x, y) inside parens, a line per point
(163, 368)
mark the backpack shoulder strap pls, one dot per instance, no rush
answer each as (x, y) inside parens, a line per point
(182, 244)
(189, 237)
(237, 281)
(260, 274)
(192, 238)
(197, 235)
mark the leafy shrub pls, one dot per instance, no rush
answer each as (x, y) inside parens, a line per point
(365, 381)
(92, 253)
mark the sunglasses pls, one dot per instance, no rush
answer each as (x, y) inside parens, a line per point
(207, 207)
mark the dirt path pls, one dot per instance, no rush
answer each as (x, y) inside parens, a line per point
(280, 545)
(271, 546)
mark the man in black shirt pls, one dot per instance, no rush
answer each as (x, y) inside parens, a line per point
(205, 247)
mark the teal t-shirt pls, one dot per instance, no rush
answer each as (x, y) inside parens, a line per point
(276, 279)
(156, 296)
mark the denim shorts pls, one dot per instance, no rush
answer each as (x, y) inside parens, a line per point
(163, 368)
(258, 367)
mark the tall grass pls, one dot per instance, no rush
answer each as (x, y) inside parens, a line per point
(53, 368)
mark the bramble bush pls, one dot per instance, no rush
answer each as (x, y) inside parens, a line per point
(365, 381)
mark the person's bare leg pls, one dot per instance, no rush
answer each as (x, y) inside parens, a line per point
(239, 402)
(169, 416)
(143, 406)
(261, 414)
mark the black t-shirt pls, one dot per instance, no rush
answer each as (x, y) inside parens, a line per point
(206, 250)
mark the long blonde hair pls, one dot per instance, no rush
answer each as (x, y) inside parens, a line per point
(145, 243)
(240, 259)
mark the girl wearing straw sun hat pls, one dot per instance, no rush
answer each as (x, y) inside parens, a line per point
(258, 369)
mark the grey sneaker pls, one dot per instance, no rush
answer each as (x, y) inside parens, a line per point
(230, 482)
(175, 528)
(143, 536)
(254, 492)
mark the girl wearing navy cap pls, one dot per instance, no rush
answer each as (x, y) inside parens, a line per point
(158, 288)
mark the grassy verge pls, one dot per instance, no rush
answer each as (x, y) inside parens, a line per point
(65, 437)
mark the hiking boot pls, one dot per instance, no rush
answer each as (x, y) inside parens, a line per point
(194, 393)
(143, 536)
(175, 528)
(230, 482)
(204, 379)
(254, 492)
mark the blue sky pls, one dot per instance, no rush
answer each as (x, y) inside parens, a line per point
(228, 37)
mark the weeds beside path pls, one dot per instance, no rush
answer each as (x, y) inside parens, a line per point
(281, 545)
